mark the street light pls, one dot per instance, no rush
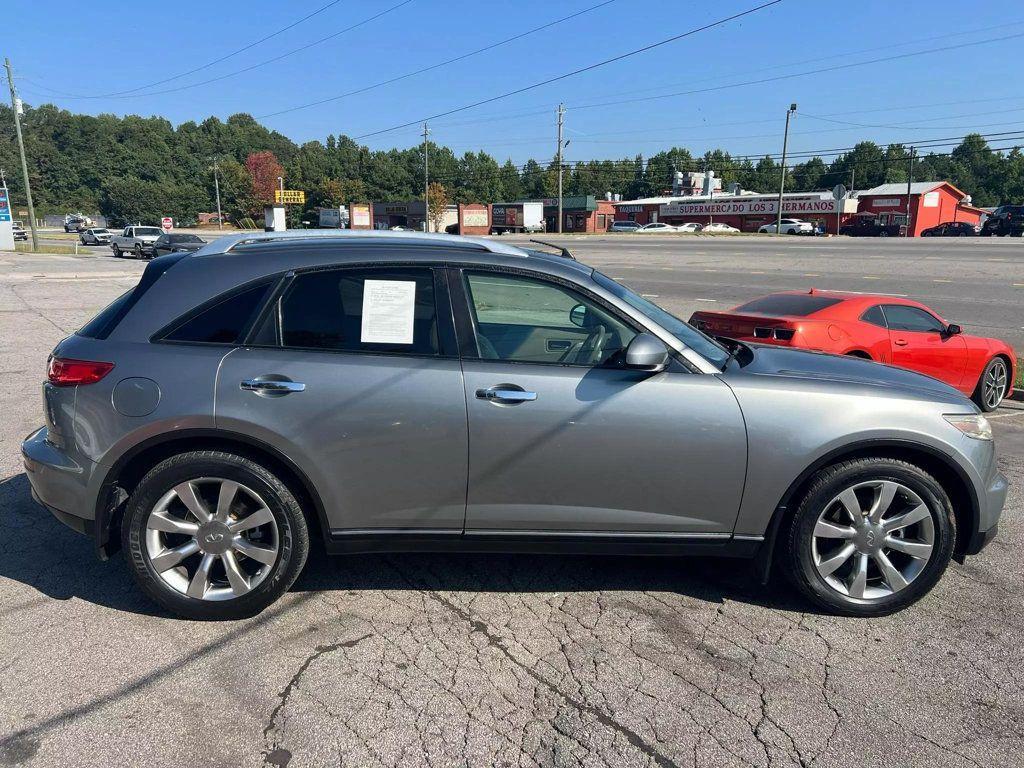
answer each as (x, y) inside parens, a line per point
(782, 184)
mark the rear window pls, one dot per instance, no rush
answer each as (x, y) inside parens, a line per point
(787, 304)
(140, 231)
(223, 323)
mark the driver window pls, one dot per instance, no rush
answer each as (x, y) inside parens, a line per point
(904, 318)
(525, 320)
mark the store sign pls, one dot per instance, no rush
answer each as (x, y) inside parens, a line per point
(289, 197)
(396, 209)
(629, 208)
(804, 205)
(886, 202)
(5, 206)
(360, 216)
(474, 217)
(931, 200)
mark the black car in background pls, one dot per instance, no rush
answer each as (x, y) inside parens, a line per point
(867, 226)
(951, 229)
(169, 243)
(1005, 220)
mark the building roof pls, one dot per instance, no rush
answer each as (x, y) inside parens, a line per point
(916, 188)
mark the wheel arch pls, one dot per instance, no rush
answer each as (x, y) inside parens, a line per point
(947, 473)
(857, 352)
(125, 473)
(1011, 370)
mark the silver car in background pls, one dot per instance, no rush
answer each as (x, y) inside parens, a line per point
(396, 392)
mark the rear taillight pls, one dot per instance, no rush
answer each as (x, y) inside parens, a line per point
(68, 373)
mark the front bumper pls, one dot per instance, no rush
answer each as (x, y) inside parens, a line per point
(59, 482)
(992, 506)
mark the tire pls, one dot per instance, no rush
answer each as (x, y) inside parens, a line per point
(281, 542)
(883, 233)
(117, 250)
(992, 385)
(805, 561)
(137, 250)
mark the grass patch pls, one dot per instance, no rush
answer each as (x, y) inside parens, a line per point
(51, 249)
(1020, 374)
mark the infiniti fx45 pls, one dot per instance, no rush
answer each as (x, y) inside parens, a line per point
(391, 392)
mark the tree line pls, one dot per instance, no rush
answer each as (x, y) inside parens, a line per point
(141, 168)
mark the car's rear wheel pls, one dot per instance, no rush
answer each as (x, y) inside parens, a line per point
(991, 388)
(212, 535)
(138, 251)
(870, 537)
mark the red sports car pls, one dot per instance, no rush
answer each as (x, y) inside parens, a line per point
(886, 329)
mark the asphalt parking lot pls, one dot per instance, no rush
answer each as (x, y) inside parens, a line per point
(488, 661)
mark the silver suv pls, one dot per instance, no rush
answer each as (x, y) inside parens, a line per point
(395, 392)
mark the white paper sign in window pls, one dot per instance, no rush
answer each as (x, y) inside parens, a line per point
(389, 311)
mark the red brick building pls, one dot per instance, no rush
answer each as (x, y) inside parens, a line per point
(931, 203)
(581, 213)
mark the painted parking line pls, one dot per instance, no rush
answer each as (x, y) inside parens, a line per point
(713, 301)
(812, 274)
(1005, 415)
(940, 280)
(872, 277)
(649, 295)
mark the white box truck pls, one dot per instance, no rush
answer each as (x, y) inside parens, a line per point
(517, 218)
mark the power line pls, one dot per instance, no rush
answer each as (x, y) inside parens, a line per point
(218, 60)
(581, 70)
(432, 67)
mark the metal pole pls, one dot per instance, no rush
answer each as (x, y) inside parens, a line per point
(24, 163)
(216, 186)
(561, 112)
(910, 179)
(782, 183)
(426, 180)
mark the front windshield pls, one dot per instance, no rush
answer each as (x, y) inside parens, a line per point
(703, 345)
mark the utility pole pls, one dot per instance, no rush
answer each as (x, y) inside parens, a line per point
(16, 106)
(910, 179)
(782, 184)
(426, 180)
(216, 186)
(558, 157)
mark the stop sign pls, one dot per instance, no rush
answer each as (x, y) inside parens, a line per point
(167, 223)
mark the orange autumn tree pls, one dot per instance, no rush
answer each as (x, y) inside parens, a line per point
(264, 169)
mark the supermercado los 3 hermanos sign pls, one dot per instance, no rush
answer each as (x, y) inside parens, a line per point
(804, 204)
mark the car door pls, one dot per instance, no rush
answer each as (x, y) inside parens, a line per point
(355, 377)
(919, 341)
(580, 444)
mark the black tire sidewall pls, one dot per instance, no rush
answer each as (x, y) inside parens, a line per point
(979, 389)
(826, 486)
(293, 534)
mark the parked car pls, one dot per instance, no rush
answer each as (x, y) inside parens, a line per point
(887, 329)
(137, 240)
(690, 226)
(867, 226)
(19, 231)
(172, 242)
(656, 227)
(624, 226)
(95, 236)
(396, 392)
(76, 222)
(952, 229)
(1005, 220)
(788, 227)
(718, 228)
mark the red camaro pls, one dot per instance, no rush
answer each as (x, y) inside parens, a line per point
(882, 328)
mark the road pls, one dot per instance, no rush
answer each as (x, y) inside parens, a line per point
(486, 661)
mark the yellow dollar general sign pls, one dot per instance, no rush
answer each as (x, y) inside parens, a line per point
(290, 197)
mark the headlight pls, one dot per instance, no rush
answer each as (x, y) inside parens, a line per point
(971, 424)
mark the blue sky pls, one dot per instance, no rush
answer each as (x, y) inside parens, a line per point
(960, 88)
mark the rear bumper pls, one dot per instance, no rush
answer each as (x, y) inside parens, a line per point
(59, 483)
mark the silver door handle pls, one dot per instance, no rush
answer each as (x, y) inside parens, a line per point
(506, 395)
(261, 385)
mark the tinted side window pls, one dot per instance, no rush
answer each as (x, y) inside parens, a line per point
(902, 318)
(874, 316)
(223, 323)
(361, 310)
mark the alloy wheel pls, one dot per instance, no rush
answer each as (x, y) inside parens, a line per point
(994, 386)
(873, 539)
(212, 539)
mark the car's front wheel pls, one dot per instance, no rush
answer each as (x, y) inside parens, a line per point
(212, 535)
(991, 388)
(870, 536)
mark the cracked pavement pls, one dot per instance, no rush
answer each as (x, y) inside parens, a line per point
(409, 660)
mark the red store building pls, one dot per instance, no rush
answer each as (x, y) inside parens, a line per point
(749, 212)
(931, 203)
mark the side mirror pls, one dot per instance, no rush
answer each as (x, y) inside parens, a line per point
(578, 315)
(953, 329)
(646, 353)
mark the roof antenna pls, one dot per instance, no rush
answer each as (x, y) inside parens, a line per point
(563, 250)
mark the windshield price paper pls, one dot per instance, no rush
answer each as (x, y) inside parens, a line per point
(389, 309)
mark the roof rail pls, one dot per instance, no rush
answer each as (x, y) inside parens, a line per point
(230, 242)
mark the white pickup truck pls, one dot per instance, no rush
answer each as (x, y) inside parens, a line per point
(136, 240)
